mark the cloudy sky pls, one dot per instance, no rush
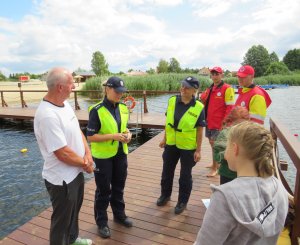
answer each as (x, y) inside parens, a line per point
(36, 35)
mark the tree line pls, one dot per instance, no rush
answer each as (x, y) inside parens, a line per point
(269, 64)
(264, 63)
(15, 76)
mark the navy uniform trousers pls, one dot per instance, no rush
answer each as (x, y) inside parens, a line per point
(110, 177)
(171, 155)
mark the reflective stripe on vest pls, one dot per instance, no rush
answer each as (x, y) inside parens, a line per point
(184, 136)
(107, 149)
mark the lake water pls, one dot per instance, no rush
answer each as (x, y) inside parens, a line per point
(22, 191)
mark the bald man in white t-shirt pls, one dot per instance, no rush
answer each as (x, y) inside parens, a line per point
(66, 155)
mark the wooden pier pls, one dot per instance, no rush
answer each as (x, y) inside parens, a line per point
(138, 120)
(152, 224)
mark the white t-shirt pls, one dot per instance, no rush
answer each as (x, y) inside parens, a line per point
(54, 128)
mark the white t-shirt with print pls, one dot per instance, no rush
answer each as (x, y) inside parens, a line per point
(54, 128)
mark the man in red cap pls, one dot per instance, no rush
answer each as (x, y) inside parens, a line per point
(253, 97)
(218, 100)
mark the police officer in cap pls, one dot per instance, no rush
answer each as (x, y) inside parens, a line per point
(182, 140)
(108, 133)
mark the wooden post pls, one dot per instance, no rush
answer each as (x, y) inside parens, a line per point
(2, 100)
(23, 103)
(145, 101)
(77, 107)
(21, 96)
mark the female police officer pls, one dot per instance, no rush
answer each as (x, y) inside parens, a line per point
(107, 131)
(182, 140)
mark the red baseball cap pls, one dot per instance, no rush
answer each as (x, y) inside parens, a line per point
(217, 69)
(245, 71)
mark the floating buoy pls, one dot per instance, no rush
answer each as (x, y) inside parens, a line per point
(23, 150)
(296, 135)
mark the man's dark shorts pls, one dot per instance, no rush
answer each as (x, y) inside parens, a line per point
(212, 134)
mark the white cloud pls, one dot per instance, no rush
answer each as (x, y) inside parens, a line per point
(278, 17)
(273, 22)
(131, 36)
(69, 33)
(211, 8)
(156, 2)
(167, 2)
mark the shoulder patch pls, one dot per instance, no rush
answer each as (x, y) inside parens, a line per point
(265, 213)
(97, 107)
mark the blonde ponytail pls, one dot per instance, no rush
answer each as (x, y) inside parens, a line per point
(257, 143)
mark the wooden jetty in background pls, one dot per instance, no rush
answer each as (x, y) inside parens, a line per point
(137, 120)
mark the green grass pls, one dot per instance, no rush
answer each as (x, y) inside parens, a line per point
(293, 79)
(159, 82)
(156, 82)
(94, 83)
(171, 82)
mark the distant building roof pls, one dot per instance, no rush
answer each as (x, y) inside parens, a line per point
(136, 73)
(84, 73)
(233, 73)
(204, 71)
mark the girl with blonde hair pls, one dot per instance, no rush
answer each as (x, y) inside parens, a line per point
(252, 208)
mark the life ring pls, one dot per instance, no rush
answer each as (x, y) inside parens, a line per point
(132, 102)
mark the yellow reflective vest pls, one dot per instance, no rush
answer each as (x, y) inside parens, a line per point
(184, 136)
(107, 149)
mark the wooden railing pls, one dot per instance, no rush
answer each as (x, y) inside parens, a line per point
(22, 98)
(140, 93)
(292, 147)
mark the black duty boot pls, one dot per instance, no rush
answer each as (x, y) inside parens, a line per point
(125, 221)
(162, 200)
(104, 231)
(180, 207)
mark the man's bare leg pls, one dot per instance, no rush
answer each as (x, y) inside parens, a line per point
(214, 167)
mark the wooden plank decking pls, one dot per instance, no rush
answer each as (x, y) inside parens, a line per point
(146, 120)
(152, 224)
